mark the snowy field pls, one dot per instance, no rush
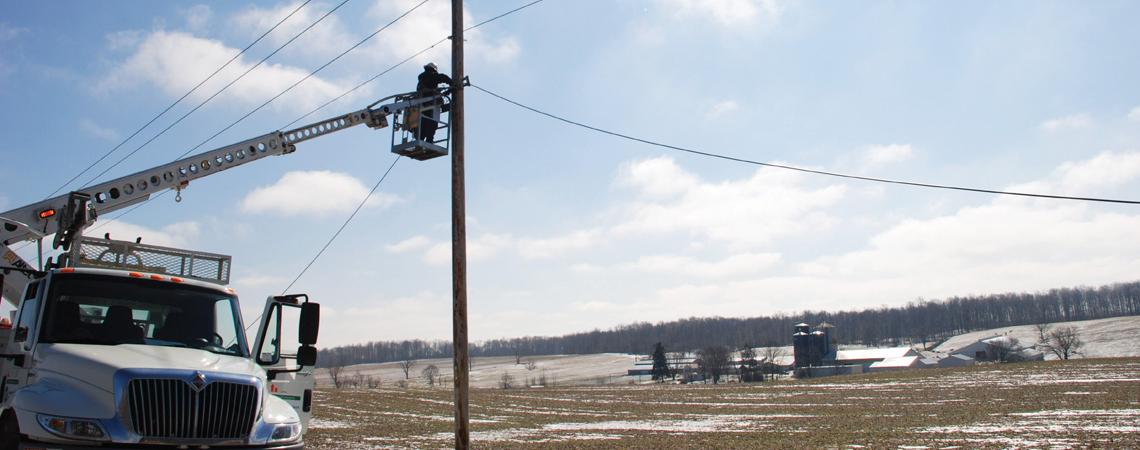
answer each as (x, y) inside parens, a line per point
(1103, 338)
(1053, 404)
(487, 372)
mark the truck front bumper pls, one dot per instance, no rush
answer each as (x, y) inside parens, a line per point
(33, 445)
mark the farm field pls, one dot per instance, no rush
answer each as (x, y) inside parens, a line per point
(1051, 404)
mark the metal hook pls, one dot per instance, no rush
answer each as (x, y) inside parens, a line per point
(178, 194)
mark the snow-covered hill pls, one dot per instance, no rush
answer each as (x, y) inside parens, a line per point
(1118, 336)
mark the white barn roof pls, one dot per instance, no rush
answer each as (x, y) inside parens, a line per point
(874, 354)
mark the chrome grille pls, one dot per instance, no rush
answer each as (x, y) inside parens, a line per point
(172, 408)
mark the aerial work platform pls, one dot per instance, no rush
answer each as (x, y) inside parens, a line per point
(412, 132)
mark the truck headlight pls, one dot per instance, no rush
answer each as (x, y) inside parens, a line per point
(286, 432)
(72, 428)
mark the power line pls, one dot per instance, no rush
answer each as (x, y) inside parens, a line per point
(227, 86)
(343, 225)
(358, 86)
(183, 97)
(405, 60)
(800, 169)
(314, 72)
(335, 235)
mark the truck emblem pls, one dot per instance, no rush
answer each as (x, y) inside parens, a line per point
(199, 381)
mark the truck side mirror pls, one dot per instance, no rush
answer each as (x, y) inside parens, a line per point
(310, 324)
(307, 356)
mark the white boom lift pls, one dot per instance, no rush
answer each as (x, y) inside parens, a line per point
(126, 344)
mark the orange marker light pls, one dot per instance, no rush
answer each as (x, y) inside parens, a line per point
(135, 274)
(47, 213)
(176, 279)
(67, 270)
(156, 277)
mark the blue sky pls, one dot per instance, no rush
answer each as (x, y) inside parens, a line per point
(571, 230)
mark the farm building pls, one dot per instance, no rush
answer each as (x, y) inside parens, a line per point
(984, 349)
(956, 361)
(868, 356)
(902, 363)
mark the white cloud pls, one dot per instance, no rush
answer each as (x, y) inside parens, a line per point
(326, 39)
(425, 315)
(1134, 114)
(479, 248)
(313, 193)
(731, 13)
(770, 204)
(1075, 121)
(877, 156)
(180, 234)
(256, 281)
(8, 32)
(198, 17)
(175, 62)
(124, 40)
(734, 265)
(722, 108)
(92, 128)
(660, 177)
(430, 23)
(1008, 244)
(1107, 169)
(409, 244)
(551, 247)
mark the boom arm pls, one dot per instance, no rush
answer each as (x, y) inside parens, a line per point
(43, 218)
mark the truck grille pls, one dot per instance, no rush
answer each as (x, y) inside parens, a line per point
(173, 408)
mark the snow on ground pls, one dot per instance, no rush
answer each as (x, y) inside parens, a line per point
(487, 372)
(1103, 337)
(1113, 337)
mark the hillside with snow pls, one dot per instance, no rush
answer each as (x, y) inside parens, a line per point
(1112, 337)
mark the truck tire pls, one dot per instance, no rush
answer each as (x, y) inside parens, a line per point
(9, 432)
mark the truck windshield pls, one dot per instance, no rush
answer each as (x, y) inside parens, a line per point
(109, 310)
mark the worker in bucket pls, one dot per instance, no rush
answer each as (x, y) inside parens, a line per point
(428, 86)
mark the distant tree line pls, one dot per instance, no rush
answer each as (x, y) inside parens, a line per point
(919, 322)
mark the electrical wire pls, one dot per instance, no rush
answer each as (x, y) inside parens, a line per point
(336, 234)
(183, 97)
(405, 60)
(227, 86)
(801, 169)
(314, 72)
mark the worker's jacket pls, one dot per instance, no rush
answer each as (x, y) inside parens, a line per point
(429, 83)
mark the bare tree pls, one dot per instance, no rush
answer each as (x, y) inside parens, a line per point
(1065, 342)
(430, 374)
(1042, 333)
(334, 375)
(749, 366)
(506, 381)
(373, 382)
(713, 362)
(531, 365)
(1004, 350)
(406, 365)
(773, 354)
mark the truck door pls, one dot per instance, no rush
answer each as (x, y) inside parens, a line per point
(21, 341)
(284, 346)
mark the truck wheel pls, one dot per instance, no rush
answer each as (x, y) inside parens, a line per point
(9, 432)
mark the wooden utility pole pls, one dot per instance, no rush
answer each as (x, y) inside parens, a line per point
(461, 361)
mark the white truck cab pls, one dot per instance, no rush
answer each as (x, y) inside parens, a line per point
(107, 358)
